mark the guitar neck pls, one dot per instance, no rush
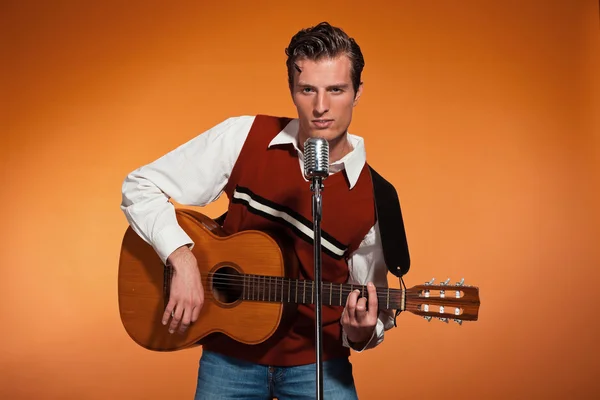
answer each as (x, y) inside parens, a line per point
(286, 290)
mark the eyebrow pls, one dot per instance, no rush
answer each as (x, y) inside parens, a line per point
(337, 85)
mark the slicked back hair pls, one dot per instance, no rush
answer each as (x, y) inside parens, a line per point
(324, 41)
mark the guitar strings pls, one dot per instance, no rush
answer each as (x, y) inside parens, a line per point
(257, 287)
(265, 284)
(260, 288)
(262, 284)
(433, 312)
(272, 281)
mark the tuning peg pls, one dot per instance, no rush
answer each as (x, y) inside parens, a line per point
(443, 292)
(444, 319)
(428, 318)
(458, 321)
(430, 282)
(461, 283)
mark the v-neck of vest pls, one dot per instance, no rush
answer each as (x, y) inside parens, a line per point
(335, 180)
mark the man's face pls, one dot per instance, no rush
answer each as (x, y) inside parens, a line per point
(324, 97)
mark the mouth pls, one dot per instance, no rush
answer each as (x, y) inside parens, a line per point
(322, 123)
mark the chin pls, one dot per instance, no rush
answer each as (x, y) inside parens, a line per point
(323, 133)
(330, 133)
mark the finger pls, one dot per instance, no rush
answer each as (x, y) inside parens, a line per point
(176, 317)
(185, 320)
(373, 305)
(168, 311)
(361, 306)
(196, 313)
(351, 305)
(345, 319)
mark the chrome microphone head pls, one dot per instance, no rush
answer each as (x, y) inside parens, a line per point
(316, 158)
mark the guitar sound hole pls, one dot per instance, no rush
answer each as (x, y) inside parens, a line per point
(227, 285)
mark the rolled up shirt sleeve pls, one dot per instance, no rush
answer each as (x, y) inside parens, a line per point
(194, 174)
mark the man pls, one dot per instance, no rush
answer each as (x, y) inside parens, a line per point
(258, 163)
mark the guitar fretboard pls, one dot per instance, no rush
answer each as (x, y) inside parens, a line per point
(285, 290)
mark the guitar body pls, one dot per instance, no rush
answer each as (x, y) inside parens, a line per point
(144, 285)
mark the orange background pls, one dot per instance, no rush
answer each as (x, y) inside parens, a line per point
(484, 115)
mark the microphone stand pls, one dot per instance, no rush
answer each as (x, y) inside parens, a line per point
(316, 187)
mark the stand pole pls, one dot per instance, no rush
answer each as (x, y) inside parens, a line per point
(316, 211)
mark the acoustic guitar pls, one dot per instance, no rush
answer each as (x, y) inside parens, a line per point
(251, 287)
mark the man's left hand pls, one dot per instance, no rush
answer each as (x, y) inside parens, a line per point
(358, 320)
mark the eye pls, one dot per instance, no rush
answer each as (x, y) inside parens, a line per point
(307, 90)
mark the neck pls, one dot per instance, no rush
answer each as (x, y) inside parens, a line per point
(339, 147)
(287, 290)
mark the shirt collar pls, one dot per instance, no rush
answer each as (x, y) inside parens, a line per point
(352, 163)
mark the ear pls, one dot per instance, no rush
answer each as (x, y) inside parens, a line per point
(358, 94)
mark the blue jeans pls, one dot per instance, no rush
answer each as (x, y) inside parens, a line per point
(221, 377)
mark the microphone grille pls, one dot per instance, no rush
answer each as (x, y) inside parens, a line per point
(316, 158)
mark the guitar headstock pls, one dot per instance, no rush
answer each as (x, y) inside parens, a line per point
(458, 302)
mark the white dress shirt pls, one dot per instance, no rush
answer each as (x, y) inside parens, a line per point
(196, 173)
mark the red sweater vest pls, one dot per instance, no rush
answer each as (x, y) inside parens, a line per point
(272, 177)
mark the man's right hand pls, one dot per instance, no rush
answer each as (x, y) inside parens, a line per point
(187, 293)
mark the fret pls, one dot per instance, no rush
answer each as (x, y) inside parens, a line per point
(341, 294)
(263, 287)
(312, 293)
(243, 287)
(275, 297)
(269, 288)
(330, 292)
(388, 299)
(296, 290)
(304, 293)
(289, 289)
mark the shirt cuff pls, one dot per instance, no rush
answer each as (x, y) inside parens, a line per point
(347, 343)
(170, 239)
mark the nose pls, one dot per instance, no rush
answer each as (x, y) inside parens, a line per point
(321, 103)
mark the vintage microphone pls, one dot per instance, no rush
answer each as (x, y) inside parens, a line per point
(316, 168)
